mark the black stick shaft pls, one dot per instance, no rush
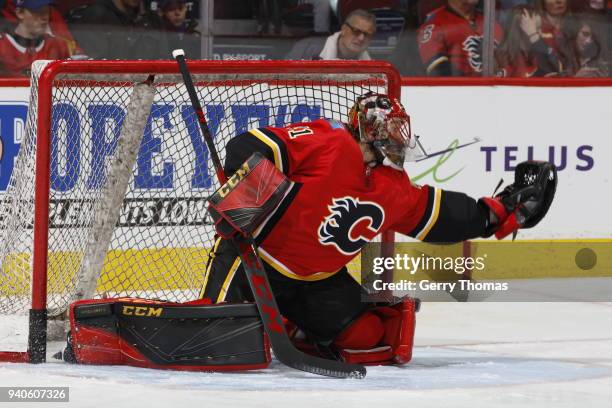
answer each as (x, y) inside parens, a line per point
(197, 106)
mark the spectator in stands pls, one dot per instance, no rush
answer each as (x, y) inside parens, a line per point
(57, 26)
(115, 29)
(523, 53)
(556, 20)
(589, 61)
(600, 22)
(174, 15)
(30, 40)
(351, 42)
(171, 21)
(450, 39)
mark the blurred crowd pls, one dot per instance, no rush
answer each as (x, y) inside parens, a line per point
(531, 38)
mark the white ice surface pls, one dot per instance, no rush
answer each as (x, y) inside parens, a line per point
(466, 355)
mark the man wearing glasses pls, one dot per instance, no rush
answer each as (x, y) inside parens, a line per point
(350, 43)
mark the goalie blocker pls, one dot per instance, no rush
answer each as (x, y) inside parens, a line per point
(249, 195)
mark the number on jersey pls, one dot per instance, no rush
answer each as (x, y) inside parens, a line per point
(299, 131)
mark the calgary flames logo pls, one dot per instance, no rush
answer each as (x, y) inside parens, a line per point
(351, 224)
(473, 47)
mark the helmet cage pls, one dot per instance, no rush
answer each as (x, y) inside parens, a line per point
(385, 126)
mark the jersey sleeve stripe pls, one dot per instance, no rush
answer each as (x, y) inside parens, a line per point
(282, 147)
(431, 214)
(435, 62)
(276, 145)
(426, 213)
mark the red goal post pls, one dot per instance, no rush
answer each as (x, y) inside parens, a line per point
(108, 189)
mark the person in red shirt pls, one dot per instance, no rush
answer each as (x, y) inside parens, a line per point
(347, 184)
(30, 40)
(57, 25)
(451, 38)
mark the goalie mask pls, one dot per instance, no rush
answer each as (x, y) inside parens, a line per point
(384, 125)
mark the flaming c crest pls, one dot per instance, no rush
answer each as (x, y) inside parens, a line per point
(473, 47)
(351, 224)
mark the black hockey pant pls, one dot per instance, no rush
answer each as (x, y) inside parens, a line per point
(322, 309)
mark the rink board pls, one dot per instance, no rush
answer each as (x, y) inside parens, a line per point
(511, 123)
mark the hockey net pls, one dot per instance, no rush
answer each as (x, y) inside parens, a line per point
(107, 194)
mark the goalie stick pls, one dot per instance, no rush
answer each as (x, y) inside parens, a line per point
(283, 349)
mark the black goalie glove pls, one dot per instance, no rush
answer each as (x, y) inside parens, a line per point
(525, 202)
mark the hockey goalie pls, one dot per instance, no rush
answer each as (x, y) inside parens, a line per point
(328, 189)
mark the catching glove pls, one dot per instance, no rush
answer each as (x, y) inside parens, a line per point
(523, 203)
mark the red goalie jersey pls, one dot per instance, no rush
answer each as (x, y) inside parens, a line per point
(336, 204)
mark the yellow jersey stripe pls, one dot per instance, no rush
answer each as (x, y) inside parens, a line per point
(433, 218)
(435, 63)
(278, 159)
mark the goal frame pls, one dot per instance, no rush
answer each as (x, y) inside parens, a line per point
(37, 330)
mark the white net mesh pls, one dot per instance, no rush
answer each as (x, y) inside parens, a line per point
(159, 246)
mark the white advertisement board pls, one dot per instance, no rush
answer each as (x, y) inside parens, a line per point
(488, 131)
(509, 124)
